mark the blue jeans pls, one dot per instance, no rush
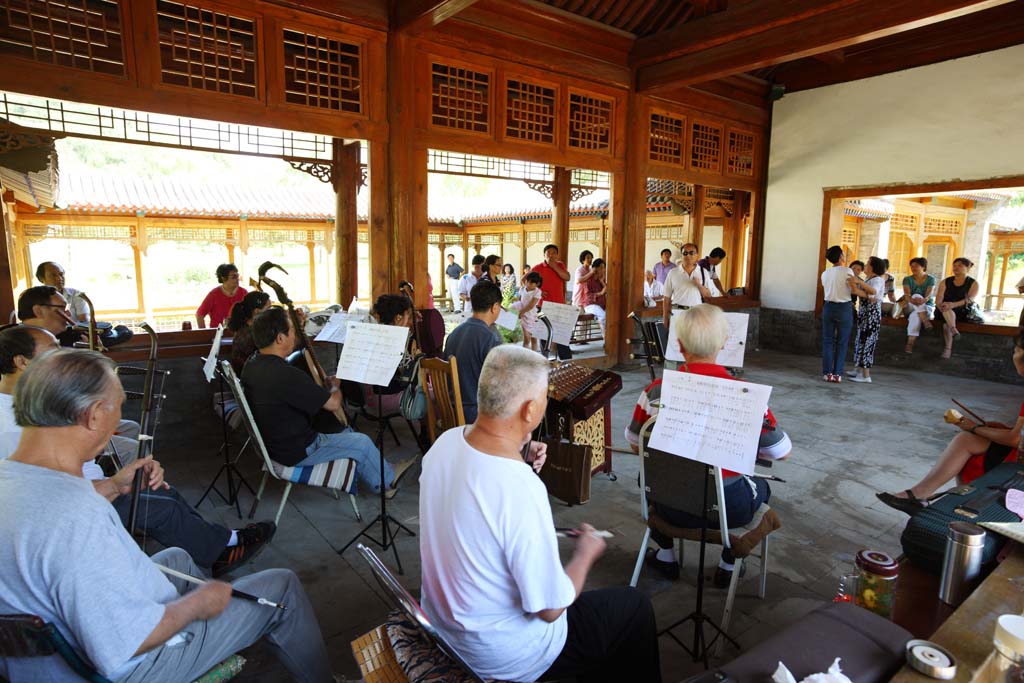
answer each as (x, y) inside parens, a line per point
(353, 446)
(836, 325)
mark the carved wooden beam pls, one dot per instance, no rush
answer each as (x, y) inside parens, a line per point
(417, 15)
(854, 23)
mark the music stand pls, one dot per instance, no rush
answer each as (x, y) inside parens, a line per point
(228, 469)
(388, 536)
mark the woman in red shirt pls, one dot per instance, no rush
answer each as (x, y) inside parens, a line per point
(701, 333)
(974, 451)
(219, 301)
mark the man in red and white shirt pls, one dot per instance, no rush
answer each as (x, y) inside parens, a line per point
(552, 288)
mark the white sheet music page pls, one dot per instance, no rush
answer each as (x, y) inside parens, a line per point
(710, 419)
(372, 353)
(563, 321)
(731, 356)
(507, 319)
(336, 328)
(211, 358)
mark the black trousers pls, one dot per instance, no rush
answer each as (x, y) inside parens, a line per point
(172, 522)
(612, 637)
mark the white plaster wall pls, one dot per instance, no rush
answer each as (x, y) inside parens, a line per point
(955, 120)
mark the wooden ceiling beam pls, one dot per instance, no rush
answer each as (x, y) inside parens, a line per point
(414, 16)
(856, 23)
(637, 11)
(992, 29)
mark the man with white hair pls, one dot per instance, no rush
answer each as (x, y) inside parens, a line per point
(493, 582)
(653, 290)
(65, 556)
(701, 332)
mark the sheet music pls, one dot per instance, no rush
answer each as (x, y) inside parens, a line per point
(372, 353)
(731, 356)
(1012, 530)
(710, 419)
(336, 328)
(507, 319)
(563, 321)
(211, 358)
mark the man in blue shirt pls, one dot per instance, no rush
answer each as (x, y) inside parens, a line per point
(471, 341)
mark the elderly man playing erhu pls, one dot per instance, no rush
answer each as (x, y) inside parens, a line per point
(65, 557)
(493, 582)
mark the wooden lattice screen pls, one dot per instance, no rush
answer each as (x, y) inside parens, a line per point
(322, 72)
(460, 98)
(81, 34)
(740, 154)
(668, 140)
(531, 111)
(906, 222)
(938, 225)
(706, 146)
(590, 122)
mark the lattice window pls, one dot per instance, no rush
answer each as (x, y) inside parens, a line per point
(206, 49)
(667, 138)
(537, 236)
(943, 226)
(849, 235)
(591, 236)
(485, 239)
(718, 193)
(165, 233)
(457, 163)
(740, 154)
(322, 72)
(461, 98)
(530, 112)
(261, 235)
(705, 146)
(669, 188)
(35, 232)
(84, 34)
(906, 222)
(590, 122)
(666, 232)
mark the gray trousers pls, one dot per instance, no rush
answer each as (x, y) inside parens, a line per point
(293, 634)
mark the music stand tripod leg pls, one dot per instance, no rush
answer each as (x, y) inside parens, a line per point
(228, 468)
(388, 537)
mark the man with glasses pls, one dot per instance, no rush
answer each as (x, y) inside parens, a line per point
(686, 286)
(47, 308)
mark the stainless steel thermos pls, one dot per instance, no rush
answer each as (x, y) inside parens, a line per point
(961, 567)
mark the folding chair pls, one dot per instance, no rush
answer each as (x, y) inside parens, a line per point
(440, 654)
(678, 483)
(26, 635)
(647, 340)
(335, 475)
(444, 398)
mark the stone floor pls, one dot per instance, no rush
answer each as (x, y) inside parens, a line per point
(849, 441)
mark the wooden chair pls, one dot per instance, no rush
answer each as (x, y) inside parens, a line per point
(26, 635)
(444, 399)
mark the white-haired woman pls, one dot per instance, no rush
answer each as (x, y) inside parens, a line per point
(701, 333)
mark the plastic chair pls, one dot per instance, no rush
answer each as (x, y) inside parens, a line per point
(335, 475)
(26, 635)
(444, 398)
(678, 483)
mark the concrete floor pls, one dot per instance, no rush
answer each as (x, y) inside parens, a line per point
(849, 441)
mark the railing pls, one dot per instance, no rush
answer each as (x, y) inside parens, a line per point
(999, 300)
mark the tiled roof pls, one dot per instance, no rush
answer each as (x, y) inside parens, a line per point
(575, 211)
(874, 209)
(107, 193)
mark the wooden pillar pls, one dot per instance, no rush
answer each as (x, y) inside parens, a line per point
(444, 264)
(346, 226)
(697, 218)
(560, 211)
(522, 246)
(465, 248)
(1002, 279)
(6, 281)
(991, 273)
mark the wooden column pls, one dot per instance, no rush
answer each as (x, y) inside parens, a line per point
(522, 247)
(697, 217)
(378, 225)
(346, 226)
(560, 210)
(6, 281)
(991, 275)
(1002, 279)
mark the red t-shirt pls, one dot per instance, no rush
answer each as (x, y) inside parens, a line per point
(218, 305)
(975, 465)
(553, 287)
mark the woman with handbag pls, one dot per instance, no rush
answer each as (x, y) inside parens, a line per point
(955, 302)
(918, 288)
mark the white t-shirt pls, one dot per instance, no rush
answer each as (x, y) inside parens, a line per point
(465, 285)
(10, 435)
(653, 290)
(76, 304)
(490, 560)
(877, 283)
(682, 289)
(833, 281)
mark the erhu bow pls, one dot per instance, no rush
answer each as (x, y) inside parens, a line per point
(316, 369)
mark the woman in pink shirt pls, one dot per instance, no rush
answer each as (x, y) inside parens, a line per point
(219, 301)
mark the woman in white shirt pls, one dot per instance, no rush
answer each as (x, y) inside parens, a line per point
(869, 320)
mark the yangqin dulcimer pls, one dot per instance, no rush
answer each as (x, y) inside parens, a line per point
(579, 409)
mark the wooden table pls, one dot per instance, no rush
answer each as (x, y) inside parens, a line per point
(967, 633)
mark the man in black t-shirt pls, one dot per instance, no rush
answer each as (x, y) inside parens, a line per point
(293, 412)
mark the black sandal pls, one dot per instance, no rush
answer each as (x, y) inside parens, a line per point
(909, 505)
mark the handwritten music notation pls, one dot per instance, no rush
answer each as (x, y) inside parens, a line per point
(372, 353)
(711, 420)
(731, 356)
(563, 321)
(336, 329)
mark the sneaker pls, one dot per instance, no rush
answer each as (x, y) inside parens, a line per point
(837, 379)
(669, 570)
(852, 373)
(251, 541)
(826, 378)
(859, 378)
